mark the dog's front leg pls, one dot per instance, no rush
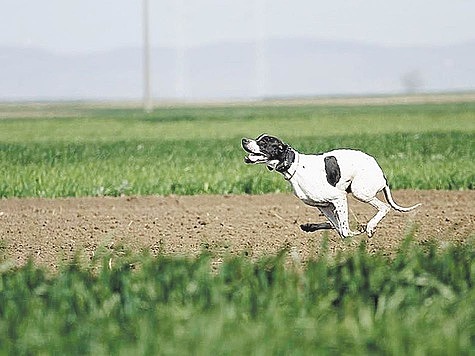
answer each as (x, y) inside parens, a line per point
(329, 212)
(341, 214)
(311, 227)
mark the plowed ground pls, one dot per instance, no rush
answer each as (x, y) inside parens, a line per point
(52, 231)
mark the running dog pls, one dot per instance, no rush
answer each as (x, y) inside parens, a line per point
(323, 181)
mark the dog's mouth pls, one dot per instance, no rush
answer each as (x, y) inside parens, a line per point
(253, 158)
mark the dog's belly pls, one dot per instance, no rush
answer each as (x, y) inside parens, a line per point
(314, 203)
(314, 199)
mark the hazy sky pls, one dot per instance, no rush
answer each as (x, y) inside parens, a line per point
(94, 25)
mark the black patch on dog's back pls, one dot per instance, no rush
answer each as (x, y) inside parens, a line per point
(332, 169)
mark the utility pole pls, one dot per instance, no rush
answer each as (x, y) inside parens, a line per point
(260, 48)
(147, 96)
(180, 80)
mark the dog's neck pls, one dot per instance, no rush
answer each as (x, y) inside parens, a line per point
(289, 166)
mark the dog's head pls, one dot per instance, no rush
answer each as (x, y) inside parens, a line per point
(267, 149)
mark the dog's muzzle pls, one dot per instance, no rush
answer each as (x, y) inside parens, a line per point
(255, 155)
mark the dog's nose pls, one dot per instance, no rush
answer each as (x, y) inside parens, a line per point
(244, 141)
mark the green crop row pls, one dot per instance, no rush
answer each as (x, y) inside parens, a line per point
(421, 302)
(86, 124)
(197, 150)
(421, 161)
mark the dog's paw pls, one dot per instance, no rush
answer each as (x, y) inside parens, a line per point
(311, 227)
(361, 228)
(370, 230)
(308, 227)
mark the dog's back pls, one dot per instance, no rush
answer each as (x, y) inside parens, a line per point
(361, 174)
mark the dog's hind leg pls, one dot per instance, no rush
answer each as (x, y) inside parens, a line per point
(382, 211)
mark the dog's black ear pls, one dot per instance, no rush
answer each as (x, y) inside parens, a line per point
(261, 136)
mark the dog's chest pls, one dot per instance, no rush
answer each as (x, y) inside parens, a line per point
(309, 184)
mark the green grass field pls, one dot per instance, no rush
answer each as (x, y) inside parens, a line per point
(97, 151)
(421, 302)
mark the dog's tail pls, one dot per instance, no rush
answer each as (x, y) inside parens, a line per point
(389, 198)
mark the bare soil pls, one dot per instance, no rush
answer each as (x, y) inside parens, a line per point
(53, 231)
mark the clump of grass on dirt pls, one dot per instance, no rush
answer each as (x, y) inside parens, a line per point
(420, 302)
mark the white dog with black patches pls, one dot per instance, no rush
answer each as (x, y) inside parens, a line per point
(323, 181)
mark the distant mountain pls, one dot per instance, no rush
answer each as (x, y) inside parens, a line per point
(286, 67)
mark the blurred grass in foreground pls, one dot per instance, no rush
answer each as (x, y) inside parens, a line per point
(420, 302)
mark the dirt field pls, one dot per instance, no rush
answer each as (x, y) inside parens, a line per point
(53, 230)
